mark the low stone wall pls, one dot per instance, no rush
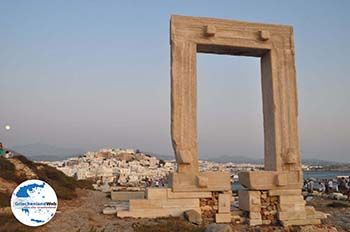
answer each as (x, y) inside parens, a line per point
(269, 207)
(284, 206)
(209, 207)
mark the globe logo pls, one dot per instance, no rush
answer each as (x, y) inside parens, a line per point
(34, 202)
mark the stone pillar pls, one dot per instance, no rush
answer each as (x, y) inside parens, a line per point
(184, 105)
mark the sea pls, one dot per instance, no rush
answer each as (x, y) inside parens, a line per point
(318, 175)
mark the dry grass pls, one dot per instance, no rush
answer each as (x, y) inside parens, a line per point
(64, 185)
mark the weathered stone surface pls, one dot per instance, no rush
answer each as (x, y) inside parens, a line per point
(186, 195)
(269, 180)
(313, 214)
(156, 193)
(291, 199)
(225, 202)
(168, 203)
(301, 222)
(274, 44)
(255, 222)
(223, 217)
(188, 182)
(154, 213)
(124, 196)
(193, 216)
(249, 200)
(292, 215)
(202, 181)
(269, 193)
(279, 192)
(292, 207)
(109, 210)
(255, 215)
(218, 228)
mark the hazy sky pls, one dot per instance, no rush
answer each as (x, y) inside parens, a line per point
(93, 74)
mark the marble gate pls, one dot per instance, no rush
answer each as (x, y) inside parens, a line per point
(280, 183)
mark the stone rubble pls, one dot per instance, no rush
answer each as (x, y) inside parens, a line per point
(193, 217)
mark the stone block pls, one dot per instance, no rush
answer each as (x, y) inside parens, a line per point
(310, 210)
(292, 207)
(193, 216)
(144, 204)
(255, 215)
(109, 210)
(188, 195)
(266, 222)
(188, 182)
(180, 203)
(255, 222)
(249, 200)
(210, 30)
(225, 203)
(156, 193)
(292, 215)
(154, 213)
(291, 199)
(264, 35)
(301, 222)
(202, 181)
(270, 180)
(282, 179)
(125, 196)
(284, 192)
(311, 213)
(223, 218)
(135, 204)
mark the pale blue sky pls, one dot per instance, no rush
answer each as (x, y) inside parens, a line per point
(91, 74)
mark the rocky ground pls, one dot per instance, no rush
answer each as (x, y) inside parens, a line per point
(84, 214)
(80, 210)
(339, 212)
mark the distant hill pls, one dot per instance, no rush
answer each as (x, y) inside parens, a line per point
(234, 159)
(320, 162)
(47, 152)
(243, 159)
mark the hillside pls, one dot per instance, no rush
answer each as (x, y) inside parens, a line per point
(15, 170)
